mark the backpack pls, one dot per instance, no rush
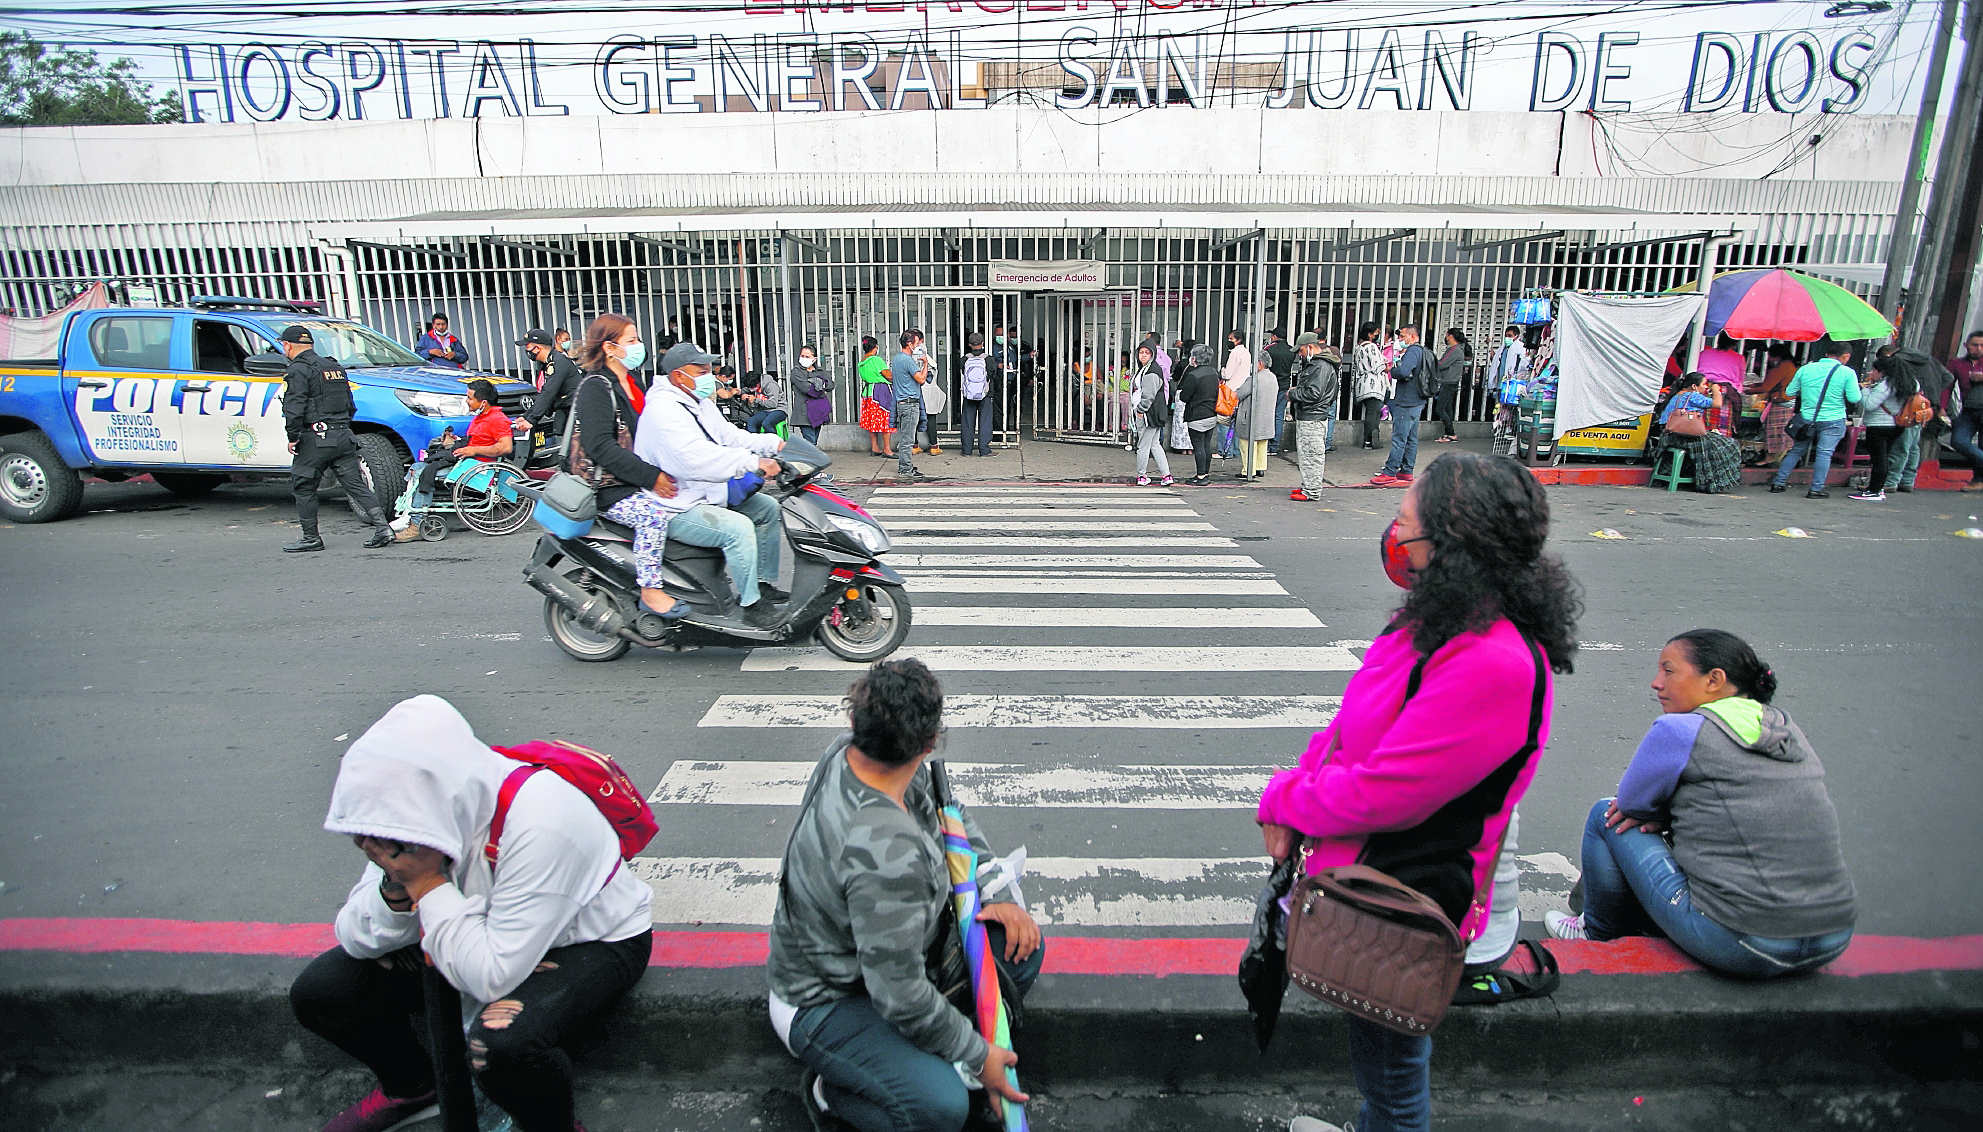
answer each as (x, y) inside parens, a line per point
(1918, 410)
(595, 775)
(1158, 415)
(1426, 375)
(976, 382)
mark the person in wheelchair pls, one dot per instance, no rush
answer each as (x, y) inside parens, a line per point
(682, 432)
(488, 439)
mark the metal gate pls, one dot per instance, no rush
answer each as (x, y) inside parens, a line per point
(1082, 365)
(947, 319)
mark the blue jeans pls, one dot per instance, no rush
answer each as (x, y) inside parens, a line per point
(908, 414)
(1905, 462)
(1404, 439)
(879, 1081)
(1828, 435)
(765, 420)
(976, 427)
(1632, 886)
(748, 535)
(1967, 425)
(1393, 1071)
(810, 432)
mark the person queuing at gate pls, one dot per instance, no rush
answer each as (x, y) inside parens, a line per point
(1895, 379)
(1237, 372)
(527, 910)
(557, 380)
(1200, 391)
(1717, 462)
(1150, 415)
(1410, 371)
(488, 439)
(1753, 882)
(1439, 733)
(1313, 400)
(764, 400)
(1254, 424)
(1370, 380)
(976, 396)
(605, 423)
(1823, 392)
(1962, 402)
(1904, 461)
(907, 373)
(1448, 373)
(814, 386)
(1279, 357)
(877, 397)
(864, 901)
(439, 347)
(316, 413)
(683, 432)
(1510, 360)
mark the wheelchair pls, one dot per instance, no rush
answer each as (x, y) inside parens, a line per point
(481, 492)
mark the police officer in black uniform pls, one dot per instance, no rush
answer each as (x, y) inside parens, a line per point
(558, 378)
(316, 412)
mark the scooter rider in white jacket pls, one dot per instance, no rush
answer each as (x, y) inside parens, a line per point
(539, 944)
(683, 432)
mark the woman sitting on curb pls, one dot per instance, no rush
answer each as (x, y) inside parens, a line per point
(1753, 883)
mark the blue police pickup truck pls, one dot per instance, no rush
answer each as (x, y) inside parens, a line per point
(192, 396)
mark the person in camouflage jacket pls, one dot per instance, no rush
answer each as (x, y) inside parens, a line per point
(862, 897)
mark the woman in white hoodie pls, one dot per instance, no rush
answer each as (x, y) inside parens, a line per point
(543, 940)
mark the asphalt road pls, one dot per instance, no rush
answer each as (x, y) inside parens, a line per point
(181, 691)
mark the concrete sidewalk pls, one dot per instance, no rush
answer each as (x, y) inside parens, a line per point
(1906, 1039)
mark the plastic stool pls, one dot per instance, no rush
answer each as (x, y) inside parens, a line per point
(783, 432)
(1672, 472)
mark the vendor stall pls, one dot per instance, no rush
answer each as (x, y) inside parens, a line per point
(1610, 362)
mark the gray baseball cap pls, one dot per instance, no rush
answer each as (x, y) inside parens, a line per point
(685, 354)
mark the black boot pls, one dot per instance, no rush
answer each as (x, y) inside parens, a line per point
(381, 530)
(308, 542)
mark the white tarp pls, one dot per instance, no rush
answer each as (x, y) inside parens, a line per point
(35, 337)
(1611, 354)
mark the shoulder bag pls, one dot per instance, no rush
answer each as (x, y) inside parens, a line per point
(1228, 401)
(1687, 422)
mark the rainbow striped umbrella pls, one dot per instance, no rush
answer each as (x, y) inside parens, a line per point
(1783, 305)
(963, 863)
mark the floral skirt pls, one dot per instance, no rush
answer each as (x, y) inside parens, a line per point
(874, 418)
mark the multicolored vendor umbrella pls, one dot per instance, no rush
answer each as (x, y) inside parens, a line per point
(1783, 305)
(963, 863)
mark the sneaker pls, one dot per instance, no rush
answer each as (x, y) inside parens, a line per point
(1383, 479)
(1906, 487)
(1167, 482)
(1869, 496)
(1300, 496)
(1778, 489)
(1404, 477)
(1142, 481)
(1817, 495)
(1310, 1124)
(814, 1091)
(1562, 925)
(379, 1112)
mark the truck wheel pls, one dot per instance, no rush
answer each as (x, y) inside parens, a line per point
(383, 467)
(35, 485)
(188, 485)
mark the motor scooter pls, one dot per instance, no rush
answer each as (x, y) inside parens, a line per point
(842, 593)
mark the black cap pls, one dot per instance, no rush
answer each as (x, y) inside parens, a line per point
(535, 338)
(685, 354)
(298, 335)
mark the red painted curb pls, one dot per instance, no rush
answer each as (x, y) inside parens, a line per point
(1066, 955)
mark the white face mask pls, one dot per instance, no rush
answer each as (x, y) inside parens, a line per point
(807, 362)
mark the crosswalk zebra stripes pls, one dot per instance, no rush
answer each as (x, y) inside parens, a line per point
(1083, 572)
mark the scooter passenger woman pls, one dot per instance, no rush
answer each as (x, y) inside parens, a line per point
(630, 490)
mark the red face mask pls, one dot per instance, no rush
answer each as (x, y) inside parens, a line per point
(1397, 560)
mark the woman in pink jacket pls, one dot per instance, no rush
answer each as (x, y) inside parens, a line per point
(1440, 730)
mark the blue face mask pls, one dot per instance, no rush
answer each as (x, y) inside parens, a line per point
(636, 354)
(705, 387)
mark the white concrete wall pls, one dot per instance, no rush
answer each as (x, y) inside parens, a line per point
(1003, 139)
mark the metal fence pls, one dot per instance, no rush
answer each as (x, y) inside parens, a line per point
(756, 296)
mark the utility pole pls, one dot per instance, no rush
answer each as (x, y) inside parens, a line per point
(1901, 247)
(1936, 288)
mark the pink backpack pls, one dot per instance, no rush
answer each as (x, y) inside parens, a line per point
(596, 775)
